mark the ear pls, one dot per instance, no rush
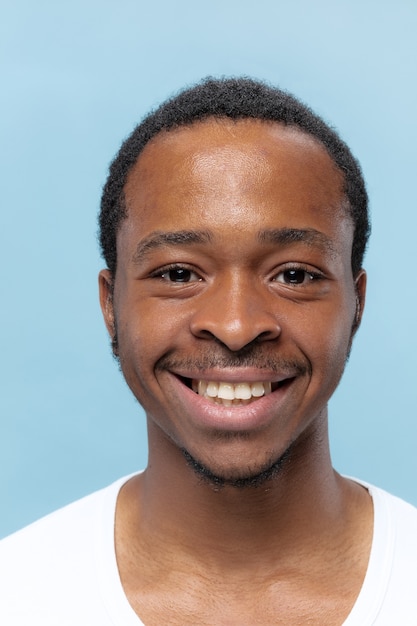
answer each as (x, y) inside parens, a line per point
(360, 289)
(106, 286)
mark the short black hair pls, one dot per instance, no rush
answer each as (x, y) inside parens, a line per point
(233, 98)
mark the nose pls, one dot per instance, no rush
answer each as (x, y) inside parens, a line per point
(235, 313)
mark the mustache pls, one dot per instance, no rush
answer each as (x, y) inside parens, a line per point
(254, 359)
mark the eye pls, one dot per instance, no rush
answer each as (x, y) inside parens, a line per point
(297, 276)
(177, 274)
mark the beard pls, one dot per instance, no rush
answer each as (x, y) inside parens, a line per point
(250, 480)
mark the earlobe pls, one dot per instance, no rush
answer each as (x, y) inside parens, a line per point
(105, 285)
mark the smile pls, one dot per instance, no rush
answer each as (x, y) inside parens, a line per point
(233, 400)
(232, 394)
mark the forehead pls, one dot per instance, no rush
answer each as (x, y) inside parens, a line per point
(228, 173)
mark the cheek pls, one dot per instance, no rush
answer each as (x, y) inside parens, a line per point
(145, 334)
(330, 340)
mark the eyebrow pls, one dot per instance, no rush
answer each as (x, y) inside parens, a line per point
(308, 236)
(159, 239)
(275, 236)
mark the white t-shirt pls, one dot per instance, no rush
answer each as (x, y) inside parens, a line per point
(62, 570)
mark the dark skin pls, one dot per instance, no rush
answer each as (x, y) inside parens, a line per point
(234, 265)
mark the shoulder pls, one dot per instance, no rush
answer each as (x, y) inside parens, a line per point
(392, 571)
(388, 594)
(398, 559)
(395, 520)
(52, 560)
(402, 514)
(49, 531)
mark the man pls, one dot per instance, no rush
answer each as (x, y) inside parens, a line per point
(233, 225)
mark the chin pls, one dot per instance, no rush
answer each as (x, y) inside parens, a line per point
(243, 478)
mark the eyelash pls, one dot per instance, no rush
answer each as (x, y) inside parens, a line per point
(313, 275)
(172, 268)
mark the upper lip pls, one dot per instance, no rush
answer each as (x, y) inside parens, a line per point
(237, 375)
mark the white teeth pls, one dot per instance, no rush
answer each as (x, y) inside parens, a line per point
(226, 391)
(257, 389)
(212, 389)
(231, 394)
(243, 391)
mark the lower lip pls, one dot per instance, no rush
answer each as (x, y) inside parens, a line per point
(253, 416)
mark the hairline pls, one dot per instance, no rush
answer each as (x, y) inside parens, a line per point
(345, 204)
(232, 99)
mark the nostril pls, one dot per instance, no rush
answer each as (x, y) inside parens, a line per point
(234, 326)
(266, 335)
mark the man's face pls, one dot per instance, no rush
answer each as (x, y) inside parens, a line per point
(233, 300)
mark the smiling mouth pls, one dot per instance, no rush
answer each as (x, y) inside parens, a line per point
(232, 394)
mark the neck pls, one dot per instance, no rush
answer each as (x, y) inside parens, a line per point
(175, 509)
(296, 544)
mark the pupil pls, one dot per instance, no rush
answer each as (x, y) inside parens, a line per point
(295, 276)
(179, 275)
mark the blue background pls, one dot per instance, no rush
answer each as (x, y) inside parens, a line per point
(76, 77)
